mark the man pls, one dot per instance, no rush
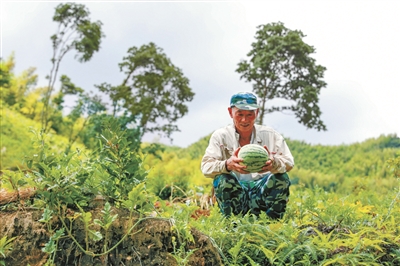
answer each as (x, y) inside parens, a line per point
(238, 191)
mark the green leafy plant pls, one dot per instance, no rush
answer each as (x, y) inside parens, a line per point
(181, 255)
(16, 179)
(71, 181)
(118, 168)
(236, 252)
(46, 218)
(139, 200)
(5, 246)
(51, 246)
(86, 218)
(105, 223)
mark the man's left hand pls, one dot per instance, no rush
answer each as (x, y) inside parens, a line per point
(269, 165)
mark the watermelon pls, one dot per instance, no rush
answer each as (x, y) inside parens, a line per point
(254, 157)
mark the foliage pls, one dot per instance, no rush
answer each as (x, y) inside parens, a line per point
(73, 181)
(5, 247)
(154, 91)
(75, 31)
(90, 135)
(5, 67)
(32, 105)
(87, 107)
(344, 204)
(60, 178)
(175, 176)
(394, 165)
(120, 169)
(51, 246)
(75, 178)
(339, 213)
(281, 67)
(139, 200)
(16, 139)
(181, 255)
(14, 88)
(343, 225)
(196, 150)
(319, 228)
(345, 168)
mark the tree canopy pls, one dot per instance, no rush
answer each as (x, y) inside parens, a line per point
(154, 91)
(14, 88)
(280, 66)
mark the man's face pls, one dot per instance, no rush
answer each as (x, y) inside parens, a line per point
(243, 119)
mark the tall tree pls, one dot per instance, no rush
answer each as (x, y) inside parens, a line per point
(154, 91)
(281, 67)
(75, 32)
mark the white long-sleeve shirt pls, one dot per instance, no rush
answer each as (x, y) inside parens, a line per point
(225, 141)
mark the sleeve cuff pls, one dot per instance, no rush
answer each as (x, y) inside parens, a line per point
(225, 167)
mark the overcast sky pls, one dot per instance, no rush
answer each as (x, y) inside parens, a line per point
(357, 41)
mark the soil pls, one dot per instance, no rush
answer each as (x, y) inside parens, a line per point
(150, 242)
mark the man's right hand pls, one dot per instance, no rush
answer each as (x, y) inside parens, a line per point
(233, 163)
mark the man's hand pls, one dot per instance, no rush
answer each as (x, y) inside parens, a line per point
(269, 165)
(233, 163)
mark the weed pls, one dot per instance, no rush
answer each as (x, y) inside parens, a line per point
(5, 246)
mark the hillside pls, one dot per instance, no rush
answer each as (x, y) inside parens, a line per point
(364, 159)
(335, 168)
(19, 136)
(115, 206)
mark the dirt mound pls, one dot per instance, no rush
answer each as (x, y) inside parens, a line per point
(150, 242)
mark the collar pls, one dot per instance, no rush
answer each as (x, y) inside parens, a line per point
(255, 136)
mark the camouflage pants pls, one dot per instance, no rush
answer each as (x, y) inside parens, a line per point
(269, 194)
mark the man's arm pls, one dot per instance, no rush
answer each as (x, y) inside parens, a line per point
(283, 160)
(214, 162)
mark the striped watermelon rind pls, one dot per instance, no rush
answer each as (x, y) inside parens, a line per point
(254, 157)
